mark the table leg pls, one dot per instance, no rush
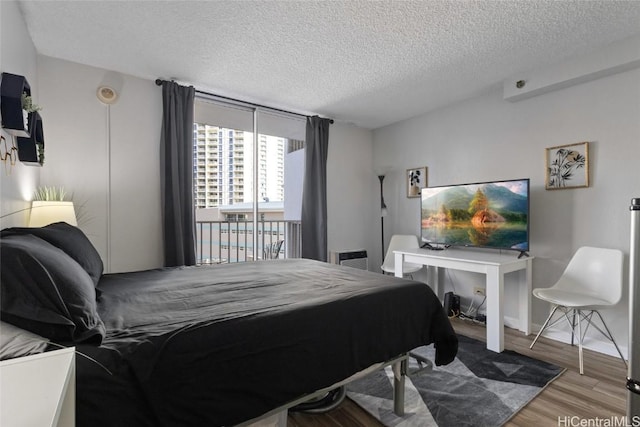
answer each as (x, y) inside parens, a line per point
(525, 300)
(438, 281)
(495, 309)
(399, 261)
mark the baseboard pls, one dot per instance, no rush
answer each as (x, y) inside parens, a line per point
(512, 322)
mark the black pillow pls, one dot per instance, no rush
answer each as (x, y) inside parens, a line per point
(71, 240)
(46, 292)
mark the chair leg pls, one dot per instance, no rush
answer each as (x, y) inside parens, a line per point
(544, 325)
(575, 313)
(611, 338)
(581, 316)
(579, 340)
(573, 327)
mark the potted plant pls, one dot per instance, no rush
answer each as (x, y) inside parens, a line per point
(50, 194)
(28, 107)
(40, 148)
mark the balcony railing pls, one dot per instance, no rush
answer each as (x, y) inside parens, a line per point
(232, 241)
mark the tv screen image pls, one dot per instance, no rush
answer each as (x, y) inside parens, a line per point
(486, 214)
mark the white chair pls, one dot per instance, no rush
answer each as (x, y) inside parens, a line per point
(591, 281)
(400, 241)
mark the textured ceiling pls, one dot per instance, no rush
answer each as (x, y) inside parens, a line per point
(362, 62)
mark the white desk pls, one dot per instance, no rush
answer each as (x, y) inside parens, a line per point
(494, 266)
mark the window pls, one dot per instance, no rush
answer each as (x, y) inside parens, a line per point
(228, 164)
(235, 217)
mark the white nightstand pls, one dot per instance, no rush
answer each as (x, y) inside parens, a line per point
(39, 390)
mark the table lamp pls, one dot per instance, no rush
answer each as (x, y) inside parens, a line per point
(45, 212)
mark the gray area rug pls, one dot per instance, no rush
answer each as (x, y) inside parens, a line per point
(479, 388)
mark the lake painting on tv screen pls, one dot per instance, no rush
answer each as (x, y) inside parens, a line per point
(490, 214)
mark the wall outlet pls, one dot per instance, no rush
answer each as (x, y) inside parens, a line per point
(479, 291)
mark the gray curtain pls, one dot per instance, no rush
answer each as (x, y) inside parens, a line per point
(314, 190)
(176, 169)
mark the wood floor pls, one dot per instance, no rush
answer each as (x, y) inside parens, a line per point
(598, 394)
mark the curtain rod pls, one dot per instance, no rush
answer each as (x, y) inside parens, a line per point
(159, 83)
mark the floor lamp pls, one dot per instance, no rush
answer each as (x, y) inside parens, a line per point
(383, 213)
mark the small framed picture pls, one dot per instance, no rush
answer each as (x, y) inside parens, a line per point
(567, 166)
(416, 181)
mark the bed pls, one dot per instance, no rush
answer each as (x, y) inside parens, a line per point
(209, 345)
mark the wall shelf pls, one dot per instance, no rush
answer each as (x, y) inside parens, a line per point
(12, 86)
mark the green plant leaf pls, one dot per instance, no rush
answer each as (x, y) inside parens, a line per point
(57, 194)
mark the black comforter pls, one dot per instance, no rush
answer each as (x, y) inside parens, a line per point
(213, 346)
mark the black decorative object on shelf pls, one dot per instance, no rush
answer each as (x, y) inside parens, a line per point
(31, 149)
(12, 88)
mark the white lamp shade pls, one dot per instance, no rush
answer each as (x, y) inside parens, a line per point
(47, 212)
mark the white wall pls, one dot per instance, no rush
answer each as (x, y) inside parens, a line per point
(17, 56)
(77, 135)
(352, 207)
(487, 138)
(78, 131)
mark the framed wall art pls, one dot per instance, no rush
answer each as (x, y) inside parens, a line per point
(567, 166)
(416, 181)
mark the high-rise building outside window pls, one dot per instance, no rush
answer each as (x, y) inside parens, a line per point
(213, 161)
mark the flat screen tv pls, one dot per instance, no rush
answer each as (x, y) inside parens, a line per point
(485, 214)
